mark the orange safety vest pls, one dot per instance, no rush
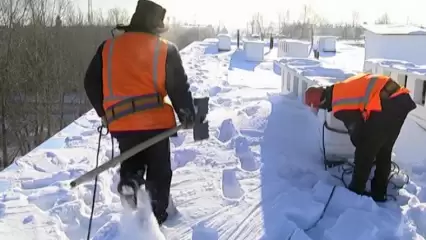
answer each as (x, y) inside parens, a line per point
(361, 92)
(134, 88)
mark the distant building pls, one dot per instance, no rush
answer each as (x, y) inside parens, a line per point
(402, 42)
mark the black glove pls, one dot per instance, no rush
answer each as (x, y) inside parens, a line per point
(104, 121)
(187, 118)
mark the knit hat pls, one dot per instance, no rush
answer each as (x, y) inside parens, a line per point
(313, 96)
(148, 16)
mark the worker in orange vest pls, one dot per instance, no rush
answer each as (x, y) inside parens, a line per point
(127, 82)
(373, 108)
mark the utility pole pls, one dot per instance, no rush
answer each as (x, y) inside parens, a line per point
(89, 12)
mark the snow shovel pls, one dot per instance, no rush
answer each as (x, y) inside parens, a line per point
(200, 132)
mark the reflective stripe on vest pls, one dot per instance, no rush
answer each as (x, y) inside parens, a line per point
(130, 104)
(358, 100)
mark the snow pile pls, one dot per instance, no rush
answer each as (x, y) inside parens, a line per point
(259, 176)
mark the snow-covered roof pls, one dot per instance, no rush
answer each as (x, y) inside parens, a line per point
(254, 41)
(325, 36)
(317, 71)
(400, 65)
(259, 175)
(392, 29)
(295, 41)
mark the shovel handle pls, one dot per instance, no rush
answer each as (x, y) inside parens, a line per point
(124, 156)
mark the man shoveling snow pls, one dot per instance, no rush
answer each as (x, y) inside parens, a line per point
(373, 109)
(127, 82)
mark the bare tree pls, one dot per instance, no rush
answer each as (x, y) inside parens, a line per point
(251, 26)
(355, 18)
(257, 26)
(283, 21)
(306, 22)
(383, 19)
(46, 48)
(306, 14)
(13, 12)
(117, 16)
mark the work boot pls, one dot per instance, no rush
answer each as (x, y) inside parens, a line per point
(379, 198)
(378, 190)
(353, 187)
(357, 185)
(159, 207)
(360, 174)
(161, 218)
(376, 197)
(128, 188)
(171, 211)
(163, 205)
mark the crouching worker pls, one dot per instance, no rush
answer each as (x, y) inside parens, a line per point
(373, 108)
(126, 82)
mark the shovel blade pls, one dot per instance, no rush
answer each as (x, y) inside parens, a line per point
(202, 105)
(201, 131)
(201, 127)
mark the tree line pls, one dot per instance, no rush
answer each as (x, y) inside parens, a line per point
(308, 24)
(46, 46)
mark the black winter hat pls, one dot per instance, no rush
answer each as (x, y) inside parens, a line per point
(148, 16)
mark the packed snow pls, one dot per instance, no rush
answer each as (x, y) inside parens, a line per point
(259, 176)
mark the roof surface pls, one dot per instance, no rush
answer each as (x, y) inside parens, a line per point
(390, 29)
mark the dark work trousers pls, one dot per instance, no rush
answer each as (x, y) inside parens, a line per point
(153, 161)
(376, 140)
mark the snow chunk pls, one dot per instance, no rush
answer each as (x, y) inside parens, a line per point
(230, 186)
(43, 182)
(227, 130)
(246, 156)
(300, 235)
(343, 198)
(304, 210)
(418, 214)
(203, 232)
(183, 156)
(110, 230)
(353, 225)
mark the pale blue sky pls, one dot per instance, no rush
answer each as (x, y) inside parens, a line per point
(235, 13)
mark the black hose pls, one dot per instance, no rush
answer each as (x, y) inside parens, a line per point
(321, 217)
(100, 128)
(347, 168)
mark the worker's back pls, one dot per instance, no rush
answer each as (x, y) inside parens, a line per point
(138, 60)
(134, 68)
